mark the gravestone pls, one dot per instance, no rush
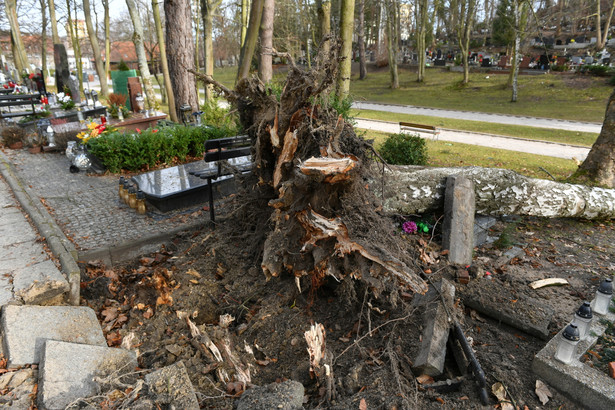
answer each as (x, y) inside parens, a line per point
(458, 225)
(61, 61)
(73, 85)
(134, 88)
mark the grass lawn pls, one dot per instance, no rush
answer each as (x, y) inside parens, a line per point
(555, 95)
(452, 154)
(519, 131)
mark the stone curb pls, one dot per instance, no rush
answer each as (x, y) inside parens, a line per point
(46, 225)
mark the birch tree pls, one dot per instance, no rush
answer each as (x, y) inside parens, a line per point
(100, 68)
(137, 39)
(265, 69)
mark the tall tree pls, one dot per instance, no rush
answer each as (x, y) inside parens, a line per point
(421, 32)
(346, 32)
(137, 39)
(599, 166)
(391, 8)
(74, 36)
(163, 61)
(245, 7)
(520, 16)
(107, 26)
(324, 23)
(265, 69)
(249, 45)
(602, 35)
(19, 51)
(208, 10)
(100, 68)
(466, 11)
(180, 52)
(361, 41)
(54, 22)
(43, 4)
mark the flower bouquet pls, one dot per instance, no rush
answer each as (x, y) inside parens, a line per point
(65, 101)
(94, 130)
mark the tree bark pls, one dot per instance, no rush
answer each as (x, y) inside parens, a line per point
(74, 37)
(43, 38)
(163, 62)
(100, 69)
(106, 23)
(467, 10)
(208, 9)
(19, 51)
(265, 68)
(247, 51)
(346, 31)
(514, 69)
(599, 165)
(180, 53)
(245, 6)
(411, 190)
(324, 24)
(601, 37)
(391, 29)
(54, 22)
(421, 31)
(137, 39)
(361, 41)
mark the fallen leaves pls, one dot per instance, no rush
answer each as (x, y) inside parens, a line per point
(542, 391)
(499, 391)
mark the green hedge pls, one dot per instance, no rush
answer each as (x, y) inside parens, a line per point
(152, 147)
(404, 149)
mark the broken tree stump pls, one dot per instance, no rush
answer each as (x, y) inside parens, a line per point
(458, 225)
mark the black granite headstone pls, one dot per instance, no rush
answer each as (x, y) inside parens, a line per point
(61, 60)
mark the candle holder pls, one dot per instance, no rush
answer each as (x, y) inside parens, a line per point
(567, 344)
(583, 319)
(185, 110)
(51, 140)
(86, 93)
(139, 102)
(94, 95)
(603, 297)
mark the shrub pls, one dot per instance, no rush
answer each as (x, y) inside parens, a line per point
(404, 149)
(12, 135)
(612, 81)
(598, 70)
(152, 147)
(217, 116)
(559, 67)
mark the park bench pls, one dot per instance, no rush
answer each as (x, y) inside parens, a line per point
(18, 100)
(409, 126)
(230, 155)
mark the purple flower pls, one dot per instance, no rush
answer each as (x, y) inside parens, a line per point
(409, 227)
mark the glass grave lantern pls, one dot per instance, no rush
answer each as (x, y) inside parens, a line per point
(185, 111)
(583, 319)
(94, 95)
(87, 94)
(567, 345)
(603, 297)
(139, 102)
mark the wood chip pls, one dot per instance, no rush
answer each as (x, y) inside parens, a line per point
(548, 282)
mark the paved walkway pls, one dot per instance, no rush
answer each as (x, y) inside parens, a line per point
(485, 117)
(550, 149)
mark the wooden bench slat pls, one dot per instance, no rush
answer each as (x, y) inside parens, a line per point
(226, 142)
(226, 154)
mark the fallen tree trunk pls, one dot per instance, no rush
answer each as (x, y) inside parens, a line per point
(415, 190)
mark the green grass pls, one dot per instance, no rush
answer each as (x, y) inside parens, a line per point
(566, 96)
(452, 154)
(519, 131)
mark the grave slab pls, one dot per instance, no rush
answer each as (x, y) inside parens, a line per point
(173, 383)
(39, 283)
(68, 371)
(436, 327)
(496, 300)
(26, 328)
(458, 224)
(583, 384)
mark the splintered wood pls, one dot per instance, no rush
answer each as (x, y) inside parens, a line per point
(332, 169)
(315, 338)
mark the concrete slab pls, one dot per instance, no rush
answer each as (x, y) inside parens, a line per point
(19, 231)
(173, 383)
(40, 283)
(19, 255)
(6, 290)
(9, 215)
(497, 300)
(68, 370)
(287, 395)
(436, 327)
(458, 224)
(26, 328)
(585, 385)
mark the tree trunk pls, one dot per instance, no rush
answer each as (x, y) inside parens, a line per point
(391, 24)
(100, 68)
(324, 24)
(361, 41)
(421, 29)
(414, 190)
(19, 51)
(72, 30)
(163, 62)
(247, 51)
(54, 22)
(599, 166)
(245, 6)
(106, 23)
(43, 38)
(208, 9)
(180, 53)
(265, 68)
(346, 30)
(137, 39)
(514, 69)
(602, 37)
(467, 10)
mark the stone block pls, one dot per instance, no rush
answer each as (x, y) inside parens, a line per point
(68, 370)
(589, 387)
(26, 328)
(287, 395)
(436, 327)
(458, 224)
(173, 384)
(40, 283)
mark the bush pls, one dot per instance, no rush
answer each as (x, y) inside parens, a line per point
(404, 149)
(216, 116)
(152, 147)
(12, 135)
(598, 70)
(559, 67)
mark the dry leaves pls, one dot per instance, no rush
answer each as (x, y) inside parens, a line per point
(499, 391)
(424, 379)
(362, 405)
(542, 391)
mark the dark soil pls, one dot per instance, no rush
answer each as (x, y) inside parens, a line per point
(371, 340)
